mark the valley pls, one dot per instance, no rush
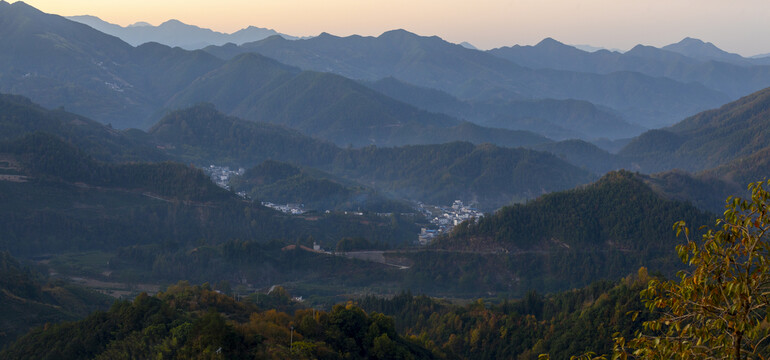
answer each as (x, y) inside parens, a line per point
(177, 192)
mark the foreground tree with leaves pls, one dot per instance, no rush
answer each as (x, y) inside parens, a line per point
(719, 308)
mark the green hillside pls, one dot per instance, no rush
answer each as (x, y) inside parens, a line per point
(439, 174)
(585, 155)
(556, 119)
(617, 212)
(330, 107)
(563, 239)
(28, 299)
(88, 205)
(283, 183)
(203, 135)
(708, 139)
(562, 324)
(20, 116)
(187, 322)
(708, 189)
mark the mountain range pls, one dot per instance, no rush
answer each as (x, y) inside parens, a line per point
(556, 119)
(485, 174)
(110, 81)
(175, 33)
(330, 107)
(475, 75)
(386, 135)
(490, 86)
(689, 61)
(102, 145)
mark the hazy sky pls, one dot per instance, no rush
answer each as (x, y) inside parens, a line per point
(741, 26)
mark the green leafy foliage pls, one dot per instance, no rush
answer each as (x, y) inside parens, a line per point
(718, 308)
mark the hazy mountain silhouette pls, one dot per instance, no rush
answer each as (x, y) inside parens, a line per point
(698, 49)
(475, 75)
(176, 33)
(556, 119)
(58, 62)
(735, 77)
(330, 107)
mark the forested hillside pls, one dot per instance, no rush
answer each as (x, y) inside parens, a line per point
(195, 322)
(439, 174)
(20, 116)
(562, 324)
(329, 107)
(603, 230)
(706, 140)
(28, 299)
(606, 214)
(283, 183)
(556, 119)
(87, 205)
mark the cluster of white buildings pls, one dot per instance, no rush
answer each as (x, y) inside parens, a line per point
(221, 175)
(294, 209)
(446, 219)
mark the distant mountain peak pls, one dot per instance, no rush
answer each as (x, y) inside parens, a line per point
(137, 24)
(641, 49)
(593, 49)
(324, 35)
(252, 28)
(174, 22)
(468, 45)
(174, 33)
(398, 32)
(691, 40)
(549, 41)
(89, 17)
(25, 6)
(698, 49)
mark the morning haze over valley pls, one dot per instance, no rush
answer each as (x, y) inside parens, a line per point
(384, 180)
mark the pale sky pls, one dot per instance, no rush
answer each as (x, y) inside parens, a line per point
(741, 26)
